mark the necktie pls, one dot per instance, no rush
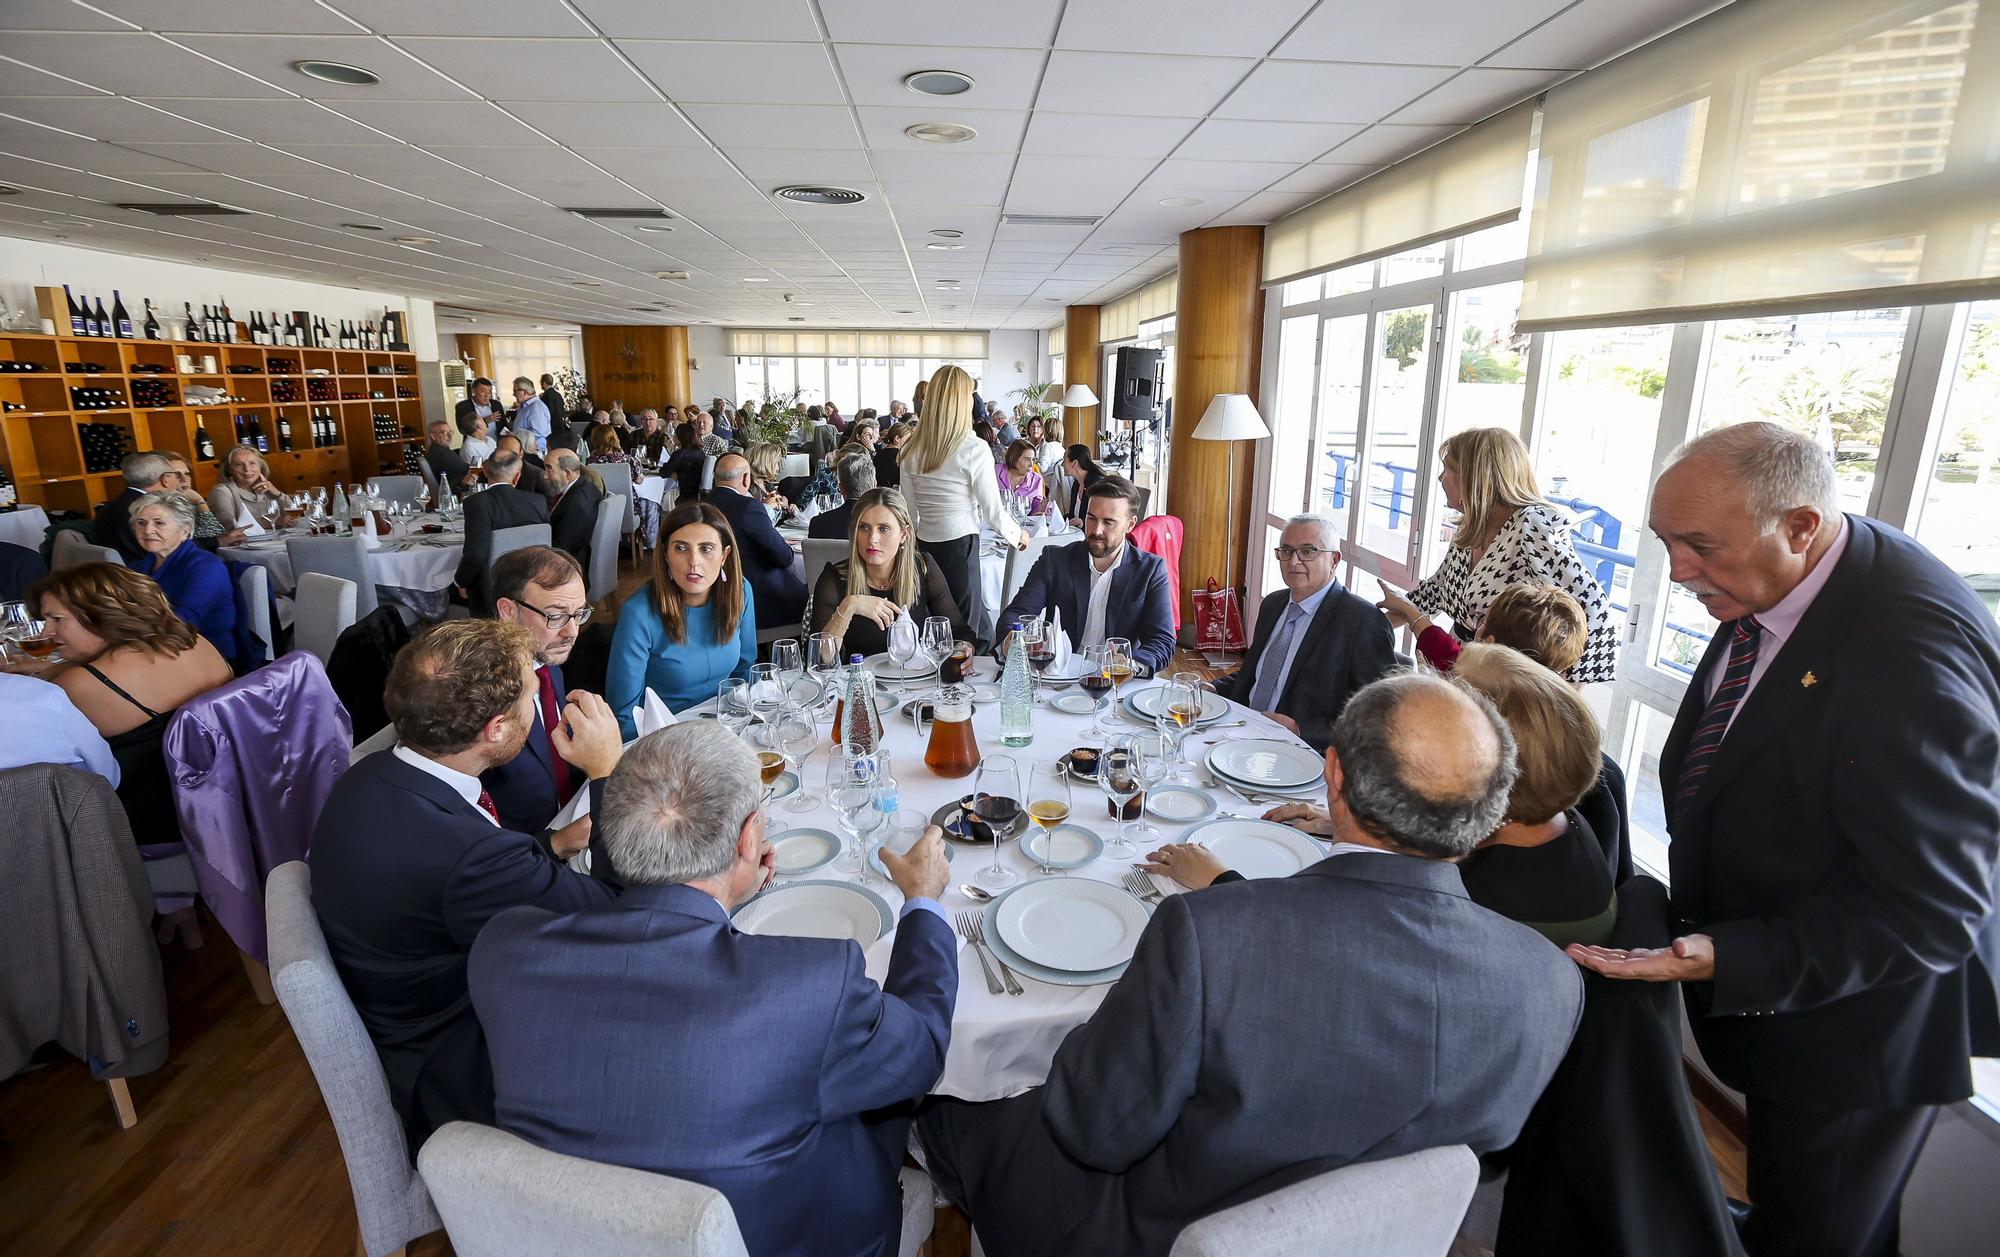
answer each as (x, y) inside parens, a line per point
(486, 806)
(1265, 692)
(1707, 739)
(549, 714)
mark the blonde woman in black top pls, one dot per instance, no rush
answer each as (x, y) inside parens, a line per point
(882, 577)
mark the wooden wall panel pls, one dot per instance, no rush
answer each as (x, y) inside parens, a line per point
(480, 346)
(1219, 331)
(1083, 363)
(639, 366)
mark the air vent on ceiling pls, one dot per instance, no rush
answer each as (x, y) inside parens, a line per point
(670, 274)
(809, 195)
(644, 212)
(1051, 220)
(179, 209)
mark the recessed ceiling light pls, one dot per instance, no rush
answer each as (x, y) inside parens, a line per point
(1179, 202)
(906, 311)
(416, 240)
(670, 274)
(755, 279)
(938, 82)
(946, 233)
(654, 226)
(813, 194)
(337, 72)
(1119, 248)
(944, 247)
(940, 132)
(361, 226)
(947, 283)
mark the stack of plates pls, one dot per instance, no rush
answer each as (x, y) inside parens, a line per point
(1146, 704)
(1070, 931)
(1257, 848)
(1268, 766)
(817, 909)
(887, 669)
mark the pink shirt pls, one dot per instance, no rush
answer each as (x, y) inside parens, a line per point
(1781, 621)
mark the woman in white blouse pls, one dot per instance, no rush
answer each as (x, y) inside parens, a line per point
(947, 480)
(245, 497)
(1508, 533)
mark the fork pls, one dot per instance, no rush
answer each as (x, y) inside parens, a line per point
(967, 931)
(979, 934)
(1142, 886)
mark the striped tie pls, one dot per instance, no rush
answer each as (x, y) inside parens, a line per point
(1701, 749)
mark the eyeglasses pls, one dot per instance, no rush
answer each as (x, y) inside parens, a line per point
(556, 619)
(1304, 554)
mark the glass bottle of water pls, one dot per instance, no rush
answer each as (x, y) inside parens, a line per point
(1017, 692)
(339, 507)
(861, 724)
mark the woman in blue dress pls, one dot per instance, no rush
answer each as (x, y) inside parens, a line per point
(693, 624)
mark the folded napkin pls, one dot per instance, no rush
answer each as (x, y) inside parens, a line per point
(651, 715)
(1055, 633)
(767, 691)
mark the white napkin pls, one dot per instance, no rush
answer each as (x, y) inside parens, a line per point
(766, 691)
(651, 715)
(369, 541)
(1054, 632)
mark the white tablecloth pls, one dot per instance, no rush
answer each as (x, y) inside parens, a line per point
(24, 527)
(993, 574)
(424, 562)
(1001, 1045)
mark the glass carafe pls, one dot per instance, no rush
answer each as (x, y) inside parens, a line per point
(952, 751)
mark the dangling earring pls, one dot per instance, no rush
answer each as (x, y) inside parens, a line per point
(722, 577)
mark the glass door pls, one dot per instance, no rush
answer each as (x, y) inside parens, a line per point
(1392, 483)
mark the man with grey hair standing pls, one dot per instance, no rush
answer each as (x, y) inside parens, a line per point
(1833, 794)
(1267, 1031)
(772, 1069)
(1315, 642)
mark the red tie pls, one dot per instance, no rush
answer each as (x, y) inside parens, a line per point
(550, 713)
(486, 806)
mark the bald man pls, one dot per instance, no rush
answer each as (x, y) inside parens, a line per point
(1248, 1045)
(766, 556)
(533, 480)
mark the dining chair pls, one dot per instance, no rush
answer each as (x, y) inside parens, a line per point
(391, 1204)
(617, 479)
(519, 537)
(71, 550)
(254, 584)
(707, 472)
(345, 557)
(601, 581)
(820, 552)
(322, 609)
(396, 488)
(1407, 1206)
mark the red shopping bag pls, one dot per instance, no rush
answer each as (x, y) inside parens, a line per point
(1218, 620)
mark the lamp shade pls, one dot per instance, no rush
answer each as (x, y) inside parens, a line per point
(1078, 395)
(1231, 417)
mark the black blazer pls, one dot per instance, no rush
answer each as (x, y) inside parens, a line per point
(1226, 1064)
(834, 525)
(1842, 847)
(888, 472)
(496, 413)
(573, 518)
(524, 788)
(112, 526)
(502, 506)
(448, 465)
(766, 558)
(400, 942)
(1141, 606)
(20, 567)
(1348, 643)
(685, 467)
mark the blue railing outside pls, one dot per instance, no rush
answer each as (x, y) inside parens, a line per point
(1399, 499)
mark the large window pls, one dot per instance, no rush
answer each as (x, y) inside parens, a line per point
(850, 383)
(1960, 522)
(532, 356)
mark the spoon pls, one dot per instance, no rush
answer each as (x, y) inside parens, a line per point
(974, 893)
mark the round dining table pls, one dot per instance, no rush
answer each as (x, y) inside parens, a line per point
(1002, 1045)
(412, 568)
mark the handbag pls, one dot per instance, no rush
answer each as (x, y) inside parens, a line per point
(1218, 619)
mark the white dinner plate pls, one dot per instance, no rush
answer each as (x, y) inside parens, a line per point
(1076, 703)
(1179, 805)
(817, 908)
(1149, 702)
(1067, 847)
(887, 669)
(1257, 848)
(1265, 763)
(803, 850)
(1314, 792)
(1073, 924)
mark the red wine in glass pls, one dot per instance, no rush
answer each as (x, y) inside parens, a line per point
(1096, 684)
(1041, 656)
(997, 811)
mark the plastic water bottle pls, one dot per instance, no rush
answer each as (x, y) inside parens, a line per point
(888, 796)
(1017, 693)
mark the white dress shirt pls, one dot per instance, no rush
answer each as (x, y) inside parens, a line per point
(40, 725)
(1100, 599)
(954, 500)
(465, 784)
(1780, 622)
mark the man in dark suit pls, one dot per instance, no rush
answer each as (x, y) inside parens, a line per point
(552, 398)
(20, 567)
(1315, 642)
(856, 474)
(772, 1069)
(499, 505)
(481, 403)
(1832, 788)
(541, 589)
(410, 860)
(574, 515)
(144, 472)
(1104, 586)
(446, 463)
(1249, 1046)
(764, 553)
(534, 475)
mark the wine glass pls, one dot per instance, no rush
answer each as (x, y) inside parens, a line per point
(1048, 802)
(1096, 682)
(767, 691)
(1118, 777)
(795, 735)
(823, 663)
(14, 620)
(732, 704)
(938, 641)
(1180, 713)
(903, 644)
(1152, 757)
(789, 661)
(423, 494)
(850, 787)
(996, 799)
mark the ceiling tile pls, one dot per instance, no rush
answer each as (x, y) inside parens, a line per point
(682, 166)
(1242, 176)
(1002, 78)
(632, 125)
(783, 74)
(775, 166)
(959, 199)
(701, 19)
(1111, 82)
(545, 161)
(1475, 94)
(277, 17)
(1319, 180)
(951, 23)
(441, 122)
(272, 121)
(1381, 144)
(387, 162)
(1594, 31)
(534, 69)
(1264, 207)
(144, 65)
(945, 166)
(55, 15)
(270, 57)
(233, 157)
(999, 131)
(1225, 139)
(1300, 91)
(455, 17)
(775, 126)
(109, 118)
(1451, 32)
(1187, 27)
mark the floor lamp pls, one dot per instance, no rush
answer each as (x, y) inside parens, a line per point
(1231, 417)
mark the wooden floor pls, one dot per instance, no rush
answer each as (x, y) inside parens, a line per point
(233, 1152)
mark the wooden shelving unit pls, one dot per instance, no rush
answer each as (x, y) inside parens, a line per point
(40, 447)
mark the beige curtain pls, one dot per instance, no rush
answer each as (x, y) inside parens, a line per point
(761, 343)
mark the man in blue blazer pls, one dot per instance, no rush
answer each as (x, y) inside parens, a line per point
(541, 589)
(650, 1033)
(1105, 586)
(762, 550)
(409, 859)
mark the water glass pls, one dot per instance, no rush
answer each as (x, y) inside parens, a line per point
(795, 735)
(14, 620)
(996, 800)
(767, 691)
(823, 662)
(938, 642)
(789, 660)
(1152, 757)
(850, 788)
(1118, 777)
(903, 644)
(732, 704)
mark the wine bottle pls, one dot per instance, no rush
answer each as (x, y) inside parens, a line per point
(192, 330)
(257, 435)
(120, 320)
(228, 336)
(203, 447)
(152, 328)
(103, 319)
(207, 326)
(89, 319)
(76, 316)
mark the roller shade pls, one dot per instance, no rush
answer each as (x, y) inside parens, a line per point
(1058, 337)
(1776, 156)
(1474, 179)
(1120, 319)
(759, 343)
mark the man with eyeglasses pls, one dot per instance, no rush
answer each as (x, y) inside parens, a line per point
(541, 589)
(1315, 643)
(531, 416)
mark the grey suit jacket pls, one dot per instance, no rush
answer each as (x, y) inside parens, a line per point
(1265, 1032)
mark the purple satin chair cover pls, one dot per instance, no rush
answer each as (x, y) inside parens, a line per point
(252, 764)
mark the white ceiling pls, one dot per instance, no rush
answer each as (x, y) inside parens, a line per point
(492, 114)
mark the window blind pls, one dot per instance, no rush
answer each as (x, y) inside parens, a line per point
(762, 343)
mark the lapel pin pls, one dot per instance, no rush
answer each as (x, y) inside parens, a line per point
(1808, 681)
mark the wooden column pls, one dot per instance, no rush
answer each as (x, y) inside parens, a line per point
(1219, 342)
(480, 346)
(1083, 363)
(639, 366)
(680, 383)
